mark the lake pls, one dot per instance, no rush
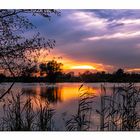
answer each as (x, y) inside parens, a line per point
(63, 97)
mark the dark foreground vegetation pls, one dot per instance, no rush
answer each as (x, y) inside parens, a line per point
(118, 111)
(58, 76)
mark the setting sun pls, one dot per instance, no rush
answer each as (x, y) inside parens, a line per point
(83, 67)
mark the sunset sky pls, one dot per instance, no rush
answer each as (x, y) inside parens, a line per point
(93, 39)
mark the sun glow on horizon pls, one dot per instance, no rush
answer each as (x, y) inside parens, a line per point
(83, 67)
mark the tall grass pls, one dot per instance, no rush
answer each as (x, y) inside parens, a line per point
(128, 108)
(119, 111)
(20, 115)
(12, 119)
(81, 120)
(45, 117)
(28, 122)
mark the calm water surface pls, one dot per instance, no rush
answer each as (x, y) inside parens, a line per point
(63, 97)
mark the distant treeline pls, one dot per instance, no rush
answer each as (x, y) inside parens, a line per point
(118, 76)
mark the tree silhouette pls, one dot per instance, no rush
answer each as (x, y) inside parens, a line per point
(52, 70)
(15, 47)
(29, 71)
(119, 72)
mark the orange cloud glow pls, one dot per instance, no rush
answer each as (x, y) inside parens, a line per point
(134, 70)
(70, 64)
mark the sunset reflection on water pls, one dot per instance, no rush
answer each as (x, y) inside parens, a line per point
(58, 92)
(63, 97)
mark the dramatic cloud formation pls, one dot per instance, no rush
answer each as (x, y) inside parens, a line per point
(103, 39)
